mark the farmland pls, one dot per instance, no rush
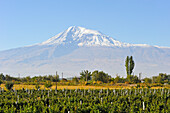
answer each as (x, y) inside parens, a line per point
(85, 100)
(20, 86)
(84, 94)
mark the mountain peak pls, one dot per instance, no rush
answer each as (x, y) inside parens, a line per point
(81, 36)
(83, 30)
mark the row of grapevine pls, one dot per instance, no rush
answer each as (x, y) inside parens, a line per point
(85, 101)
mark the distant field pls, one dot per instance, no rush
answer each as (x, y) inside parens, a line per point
(20, 86)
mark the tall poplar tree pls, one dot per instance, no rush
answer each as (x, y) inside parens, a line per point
(129, 64)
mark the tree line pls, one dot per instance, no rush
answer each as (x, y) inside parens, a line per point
(96, 75)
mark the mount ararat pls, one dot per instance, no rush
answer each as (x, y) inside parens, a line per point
(78, 49)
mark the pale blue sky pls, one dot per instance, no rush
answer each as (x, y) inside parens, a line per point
(26, 22)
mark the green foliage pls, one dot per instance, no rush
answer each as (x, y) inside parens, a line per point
(129, 64)
(100, 76)
(9, 85)
(48, 84)
(148, 86)
(132, 79)
(75, 80)
(118, 79)
(138, 86)
(2, 77)
(37, 86)
(86, 101)
(162, 78)
(157, 85)
(1, 82)
(148, 80)
(85, 75)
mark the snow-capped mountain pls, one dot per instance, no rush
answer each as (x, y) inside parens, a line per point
(85, 37)
(77, 49)
(82, 37)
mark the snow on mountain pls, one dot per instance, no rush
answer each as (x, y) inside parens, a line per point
(85, 37)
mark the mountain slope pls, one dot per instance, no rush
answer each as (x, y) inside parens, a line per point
(77, 49)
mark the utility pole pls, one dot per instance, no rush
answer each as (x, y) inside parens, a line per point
(19, 78)
(140, 74)
(56, 80)
(62, 77)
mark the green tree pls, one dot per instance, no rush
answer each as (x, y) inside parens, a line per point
(75, 80)
(129, 64)
(94, 75)
(119, 80)
(85, 75)
(28, 79)
(2, 77)
(100, 76)
(161, 78)
(148, 80)
(8, 78)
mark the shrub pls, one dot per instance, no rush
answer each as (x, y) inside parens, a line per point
(157, 85)
(1, 82)
(9, 85)
(48, 84)
(37, 86)
(148, 86)
(87, 84)
(138, 86)
(126, 82)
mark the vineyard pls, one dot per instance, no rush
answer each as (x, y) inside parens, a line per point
(85, 101)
